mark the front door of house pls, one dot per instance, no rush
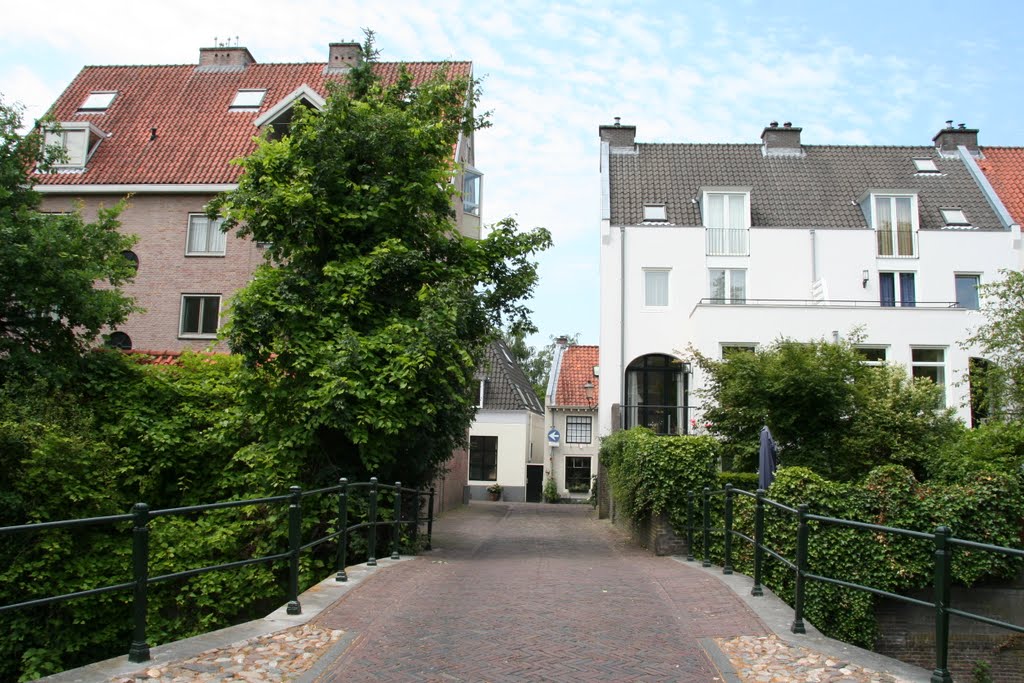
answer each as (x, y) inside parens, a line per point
(534, 483)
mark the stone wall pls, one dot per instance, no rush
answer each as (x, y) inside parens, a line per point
(654, 533)
(907, 632)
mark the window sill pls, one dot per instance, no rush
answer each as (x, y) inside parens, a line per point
(197, 336)
(200, 254)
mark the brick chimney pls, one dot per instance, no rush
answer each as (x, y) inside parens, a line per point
(784, 141)
(343, 56)
(617, 135)
(225, 58)
(949, 138)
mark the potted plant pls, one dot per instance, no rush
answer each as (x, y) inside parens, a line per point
(494, 491)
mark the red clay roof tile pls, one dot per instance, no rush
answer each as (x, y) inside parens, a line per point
(578, 363)
(197, 135)
(1004, 168)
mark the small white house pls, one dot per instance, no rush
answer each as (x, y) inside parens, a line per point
(508, 431)
(571, 417)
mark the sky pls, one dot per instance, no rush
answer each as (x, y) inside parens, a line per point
(848, 73)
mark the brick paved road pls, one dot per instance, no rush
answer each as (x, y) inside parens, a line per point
(533, 593)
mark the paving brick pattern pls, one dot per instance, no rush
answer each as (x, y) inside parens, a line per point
(533, 593)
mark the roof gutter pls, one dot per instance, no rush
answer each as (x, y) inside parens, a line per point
(207, 188)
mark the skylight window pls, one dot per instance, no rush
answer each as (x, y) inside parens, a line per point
(97, 101)
(926, 166)
(655, 212)
(954, 217)
(248, 99)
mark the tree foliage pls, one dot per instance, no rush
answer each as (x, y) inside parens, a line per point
(535, 361)
(826, 409)
(364, 329)
(1000, 387)
(60, 276)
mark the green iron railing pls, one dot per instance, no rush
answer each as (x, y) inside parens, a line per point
(941, 538)
(141, 515)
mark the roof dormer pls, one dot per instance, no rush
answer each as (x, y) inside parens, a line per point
(78, 139)
(279, 117)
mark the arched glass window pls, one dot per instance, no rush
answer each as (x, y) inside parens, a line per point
(656, 394)
(119, 340)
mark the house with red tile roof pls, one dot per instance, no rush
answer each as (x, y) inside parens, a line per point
(1004, 169)
(165, 136)
(570, 412)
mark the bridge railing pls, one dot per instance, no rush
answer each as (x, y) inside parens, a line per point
(941, 540)
(141, 516)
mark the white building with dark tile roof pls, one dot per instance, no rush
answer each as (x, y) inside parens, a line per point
(724, 246)
(508, 430)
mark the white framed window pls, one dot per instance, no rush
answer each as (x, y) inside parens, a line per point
(726, 216)
(727, 285)
(895, 221)
(205, 237)
(472, 184)
(967, 290)
(578, 428)
(872, 355)
(897, 289)
(577, 474)
(656, 287)
(200, 315)
(655, 212)
(925, 166)
(930, 363)
(248, 99)
(98, 101)
(955, 217)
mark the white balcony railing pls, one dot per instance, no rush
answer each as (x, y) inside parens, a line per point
(728, 241)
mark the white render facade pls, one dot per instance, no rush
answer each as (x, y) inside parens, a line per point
(670, 282)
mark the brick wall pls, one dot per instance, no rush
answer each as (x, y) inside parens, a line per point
(907, 632)
(654, 533)
(165, 273)
(449, 489)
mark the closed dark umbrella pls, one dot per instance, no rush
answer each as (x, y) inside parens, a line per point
(767, 460)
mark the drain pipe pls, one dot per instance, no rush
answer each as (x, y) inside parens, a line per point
(622, 322)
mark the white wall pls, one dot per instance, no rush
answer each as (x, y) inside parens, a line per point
(558, 454)
(780, 266)
(515, 430)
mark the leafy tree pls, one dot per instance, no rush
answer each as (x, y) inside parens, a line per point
(364, 330)
(51, 307)
(999, 383)
(826, 409)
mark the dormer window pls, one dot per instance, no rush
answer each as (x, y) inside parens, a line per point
(894, 218)
(655, 212)
(726, 215)
(78, 139)
(248, 99)
(925, 166)
(279, 116)
(471, 187)
(98, 101)
(954, 217)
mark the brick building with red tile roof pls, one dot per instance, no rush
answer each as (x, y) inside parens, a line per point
(166, 136)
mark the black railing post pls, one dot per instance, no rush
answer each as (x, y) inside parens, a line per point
(727, 567)
(689, 526)
(294, 541)
(430, 519)
(707, 528)
(801, 567)
(415, 532)
(943, 564)
(397, 525)
(139, 650)
(757, 591)
(342, 530)
(371, 542)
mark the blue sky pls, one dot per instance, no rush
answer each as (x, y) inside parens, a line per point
(847, 72)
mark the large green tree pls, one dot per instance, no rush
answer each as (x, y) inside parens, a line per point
(60, 276)
(997, 383)
(366, 326)
(826, 409)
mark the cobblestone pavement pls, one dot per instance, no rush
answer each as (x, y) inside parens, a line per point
(523, 593)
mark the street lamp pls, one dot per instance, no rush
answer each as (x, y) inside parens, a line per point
(588, 391)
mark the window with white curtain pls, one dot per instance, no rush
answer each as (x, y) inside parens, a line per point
(726, 220)
(930, 363)
(656, 287)
(895, 225)
(728, 285)
(205, 237)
